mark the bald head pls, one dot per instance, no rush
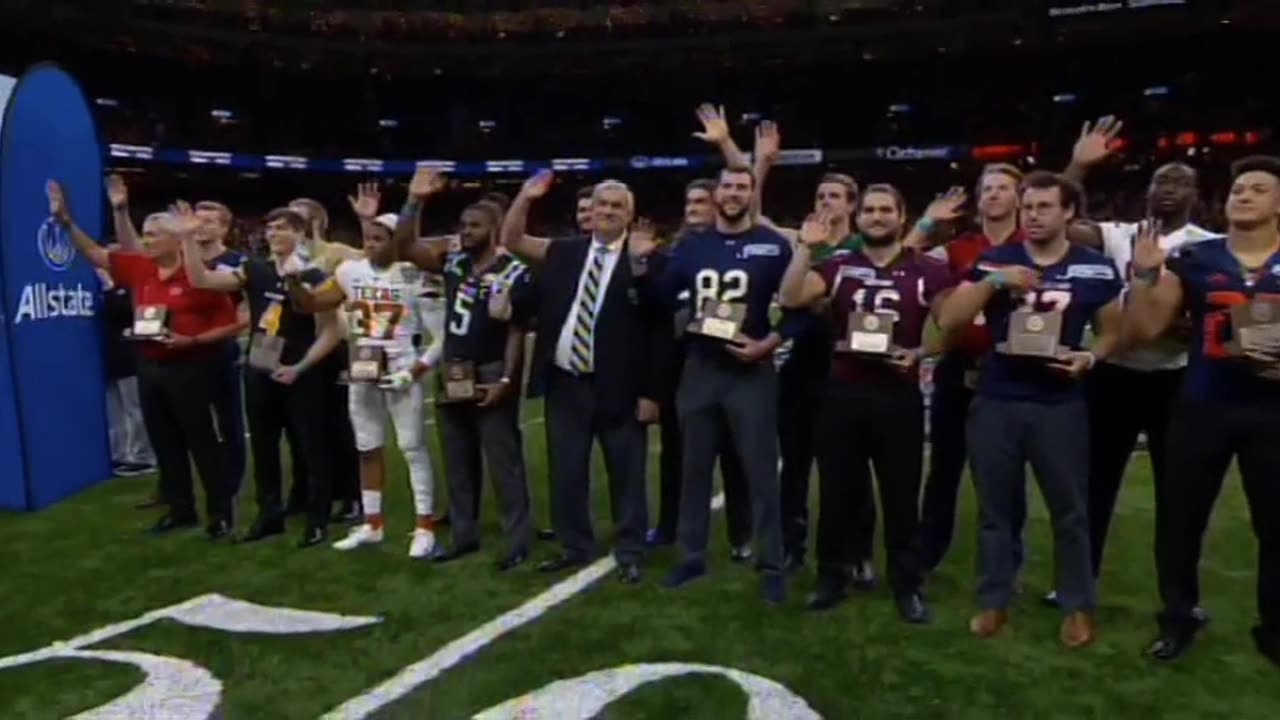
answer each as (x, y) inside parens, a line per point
(1173, 191)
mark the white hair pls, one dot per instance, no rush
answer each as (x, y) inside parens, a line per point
(615, 185)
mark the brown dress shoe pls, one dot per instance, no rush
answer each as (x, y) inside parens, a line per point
(1078, 630)
(988, 623)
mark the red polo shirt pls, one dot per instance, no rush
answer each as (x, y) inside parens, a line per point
(962, 255)
(191, 311)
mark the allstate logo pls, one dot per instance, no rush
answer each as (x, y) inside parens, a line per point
(54, 243)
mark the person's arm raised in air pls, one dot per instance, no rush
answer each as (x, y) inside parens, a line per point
(1156, 294)
(802, 286)
(198, 273)
(531, 250)
(118, 196)
(1093, 146)
(428, 253)
(944, 208)
(60, 211)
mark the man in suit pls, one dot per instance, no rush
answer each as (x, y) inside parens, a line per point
(596, 365)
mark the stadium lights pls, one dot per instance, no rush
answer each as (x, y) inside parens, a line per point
(388, 123)
(106, 102)
(1064, 98)
(608, 122)
(1156, 91)
(486, 126)
(221, 114)
(750, 117)
(899, 108)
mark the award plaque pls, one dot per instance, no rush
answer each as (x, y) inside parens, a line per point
(265, 351)
(719, 320)
(869, 333)
(1256, 332)
(368, 364)
(150, 322)
(459, 380)
(1034, 334)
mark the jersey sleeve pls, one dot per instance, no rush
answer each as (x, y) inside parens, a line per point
(1116, 239)
(314, 277)
(828, 270)
(937, 279)
(129, 269)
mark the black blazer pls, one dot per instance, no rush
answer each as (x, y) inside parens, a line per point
(628, 361)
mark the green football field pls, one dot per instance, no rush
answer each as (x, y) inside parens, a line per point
(456, 640)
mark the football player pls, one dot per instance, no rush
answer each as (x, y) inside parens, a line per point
(385, 306)
(1230, 402)
(1037, 298)
(872, 410)
(734, 266)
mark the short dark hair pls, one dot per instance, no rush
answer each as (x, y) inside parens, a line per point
(1269, 164)
(850, 185)
(489, 209)
(706, 184)
(1069, 190)
(502, 200)
(586, 193)
(887, 189)
(740, 170)
(292, 218)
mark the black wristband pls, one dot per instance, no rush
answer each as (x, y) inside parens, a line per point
(1147, 275)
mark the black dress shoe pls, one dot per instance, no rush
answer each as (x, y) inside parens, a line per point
(263, 529)
(312, 536)
(629, 573)
(169, 523)
(829, 592)
(511, 560)
(912, 608)
(685, 572)
(546, 534)
(1171, 645)
(562, 562)
(218, 529)
(658, 538)
(455, 552)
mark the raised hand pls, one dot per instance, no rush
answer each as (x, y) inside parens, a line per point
(816, 229)
(117, 192)
(366, 201)
(426, 181)
(1147, 254)
(642, 240)
(182, 219)
(58, 208)
(715, 129)
(1093, 146)
(768, 141)
(947, 206)
(538, 184)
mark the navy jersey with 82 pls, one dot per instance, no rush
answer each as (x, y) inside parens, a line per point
(1078, 285)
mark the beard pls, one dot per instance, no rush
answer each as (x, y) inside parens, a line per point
(879, 241)
(732, 217)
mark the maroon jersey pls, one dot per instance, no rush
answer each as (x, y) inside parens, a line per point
(904, 287)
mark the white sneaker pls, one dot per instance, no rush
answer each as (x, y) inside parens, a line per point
(363, 534)
(422, 543)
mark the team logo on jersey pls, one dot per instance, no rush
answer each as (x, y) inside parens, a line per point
(1091, 272)
(858, 273)
(761, 250)
(54, 244)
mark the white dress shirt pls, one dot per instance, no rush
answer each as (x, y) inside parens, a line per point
(564, 346)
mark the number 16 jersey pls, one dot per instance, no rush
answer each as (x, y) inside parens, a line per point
(385, 307)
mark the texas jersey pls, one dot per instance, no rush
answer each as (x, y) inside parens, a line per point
(743, 268)
(904, 288)
(1212, 283)
(1078, 285)
(385, 307)
(470, 333)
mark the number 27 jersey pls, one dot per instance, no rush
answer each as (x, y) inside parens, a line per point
(384, 307)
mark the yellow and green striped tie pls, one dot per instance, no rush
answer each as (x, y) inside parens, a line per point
(581, 354)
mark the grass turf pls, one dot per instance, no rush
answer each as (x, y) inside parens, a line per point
(84, 563)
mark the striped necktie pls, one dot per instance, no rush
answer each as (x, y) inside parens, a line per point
(582, 354)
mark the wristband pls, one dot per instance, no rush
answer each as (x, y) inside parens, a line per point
(926, 225)
(411, 206)
(1150, 276)
(996, 277)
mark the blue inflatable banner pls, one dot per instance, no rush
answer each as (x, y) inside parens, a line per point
(52, 392)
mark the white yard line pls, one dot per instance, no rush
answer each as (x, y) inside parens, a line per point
(454, 653)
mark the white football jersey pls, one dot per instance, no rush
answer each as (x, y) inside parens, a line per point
(386, 307)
